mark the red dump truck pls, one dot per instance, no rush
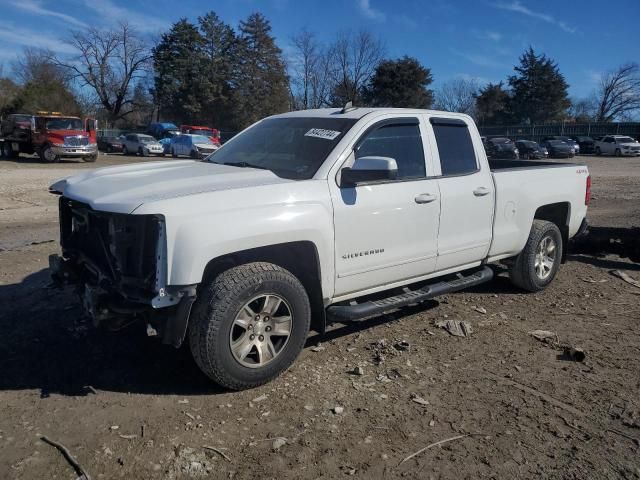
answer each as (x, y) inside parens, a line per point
(212, 133)
(51, 135)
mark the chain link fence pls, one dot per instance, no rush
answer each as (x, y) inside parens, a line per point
(538, 132)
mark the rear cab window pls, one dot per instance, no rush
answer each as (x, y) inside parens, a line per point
(455, 146)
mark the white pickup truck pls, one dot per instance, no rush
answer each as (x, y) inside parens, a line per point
(308, 218)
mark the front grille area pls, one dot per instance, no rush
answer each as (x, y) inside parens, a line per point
(114, 251)
(76, 141)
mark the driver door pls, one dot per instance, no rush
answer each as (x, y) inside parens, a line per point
(386, 232)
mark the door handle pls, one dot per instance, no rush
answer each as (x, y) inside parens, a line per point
(481, 191)
(426, 198)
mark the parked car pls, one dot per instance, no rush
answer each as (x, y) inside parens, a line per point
(298, 221)
(568, 140)
(528, 149)
(558, 149)
(586, 144)
(162, 130)
(110, 144)
(618, 145)
(501, 147)
(141, 144)
(194, 146)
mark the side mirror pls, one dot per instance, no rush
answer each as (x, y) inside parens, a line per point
(369, 169)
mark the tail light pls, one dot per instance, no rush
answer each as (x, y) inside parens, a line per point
(587, 193)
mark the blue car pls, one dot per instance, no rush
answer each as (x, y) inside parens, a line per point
(194, 146)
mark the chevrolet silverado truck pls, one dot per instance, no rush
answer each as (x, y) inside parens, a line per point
(308, 218)
(51, 135)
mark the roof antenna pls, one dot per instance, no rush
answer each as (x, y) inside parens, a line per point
(348, 107)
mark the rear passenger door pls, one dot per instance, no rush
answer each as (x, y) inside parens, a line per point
(467, 194)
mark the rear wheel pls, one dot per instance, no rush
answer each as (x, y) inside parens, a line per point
(536, 266)
(598, 151)
(249, 325)
(48, 155)
(173, 153)
(194, 154)
(125, 151)
(618, 152)
(109, 149)
(8, 151)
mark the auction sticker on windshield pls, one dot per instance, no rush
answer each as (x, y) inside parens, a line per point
(322, 133)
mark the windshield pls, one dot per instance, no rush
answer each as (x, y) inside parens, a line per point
(625, 140)
(556, 142)
(291, 147)
(529, 143)
(201, 139)
(145, 139)
(64, 124)
(201, 131)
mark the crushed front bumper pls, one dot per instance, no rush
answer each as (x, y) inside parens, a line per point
(73, 151)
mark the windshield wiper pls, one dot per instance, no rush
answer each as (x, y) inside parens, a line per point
(245, 165)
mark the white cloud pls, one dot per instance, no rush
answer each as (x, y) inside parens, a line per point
(488, 35)
(370, 12)
(110, 12)
(35, 7)
(479, 59)
(19, 37)
(518, 7)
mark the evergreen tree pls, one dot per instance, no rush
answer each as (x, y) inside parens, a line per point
(261, 85)
(219, 57)
(400, 83)
(539, 90)
(493, 104)
(180, 77)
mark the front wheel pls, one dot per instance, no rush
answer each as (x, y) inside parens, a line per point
(538, 263)
(125, 151)
(91, 158)
(48, 155)
(249, 325)
(618, 152)
(598, 151)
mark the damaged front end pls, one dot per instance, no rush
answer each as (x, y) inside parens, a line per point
(119, 264)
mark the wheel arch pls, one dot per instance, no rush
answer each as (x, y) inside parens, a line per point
(559, 214)
(301, 258)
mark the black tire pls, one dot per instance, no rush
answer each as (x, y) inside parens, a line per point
(8, 151)
(598, 151)
(46, 155)
(216, 309)
(91, 158)
(194, 154)
(109, 149)
(523, 272)
(173, 153)
(125, 151)
(618, 152)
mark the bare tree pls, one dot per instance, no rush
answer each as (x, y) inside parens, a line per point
(36, 64)
(618, 94)
(309, 72)
(582, 110)
(110, 62)
(353, 59)
(458, 95)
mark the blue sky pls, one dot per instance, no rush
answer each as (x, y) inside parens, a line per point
(469, 38)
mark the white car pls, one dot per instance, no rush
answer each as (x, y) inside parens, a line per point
(618, 145)
(141, 144)
(307, 218)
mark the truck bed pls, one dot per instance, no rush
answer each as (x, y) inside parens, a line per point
(497, 164)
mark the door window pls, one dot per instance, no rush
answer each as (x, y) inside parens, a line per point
(457, 156)
(402, 142)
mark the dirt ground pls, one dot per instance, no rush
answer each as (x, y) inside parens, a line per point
(513, 406)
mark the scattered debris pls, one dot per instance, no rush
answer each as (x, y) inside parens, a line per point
(576, 354)
(114, 427)
(184, 400)
(83, 475)
(481, 310)
(357, 371)
(338, 410)
(419, 400)
(626, 277)
(278, 443)
(456, 328)
(402, 346)
(317, 348)
(128, 437)
(261, 398)
(518, 368)
(218, 451)
(631, 418)
(441, 442)
(308, 408)
(545, 336)
(591, 280)
(91, 389)
(190, 416)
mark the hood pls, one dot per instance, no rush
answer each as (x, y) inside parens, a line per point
(630, 144)
(124, 188)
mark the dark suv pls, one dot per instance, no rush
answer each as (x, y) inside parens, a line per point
(501, 147)
(529, 149)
